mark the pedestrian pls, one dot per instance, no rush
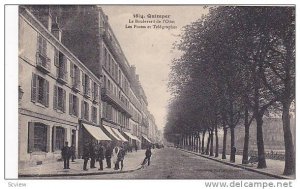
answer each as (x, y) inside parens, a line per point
(72, 150)
(136, 147)
(108, 153)
(100, 155)
(121, 155)
(65, 153)
(92, 155)
(86, 155)
(115, 157)
(148, 154)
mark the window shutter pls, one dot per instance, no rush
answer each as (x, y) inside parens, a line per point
(83, 79)
(72, 72)
(39, 43)
(82, 109)
(33, 87)
(77, 72)
(56, 57)
(88, 112)
(71, 104)
(30, 147)
(77, 106)
(44, 46)
(48, 139)
(46, 93)
(65, 66)
(64, 100)
(53, 138)
(92, 113)
(65, 135)
(55, 97)
(92, 89)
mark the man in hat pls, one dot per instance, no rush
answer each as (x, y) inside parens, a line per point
(65, 153)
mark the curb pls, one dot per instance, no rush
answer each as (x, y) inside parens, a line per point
(238, 166)
(78, 174)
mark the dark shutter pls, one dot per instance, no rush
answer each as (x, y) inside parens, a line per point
(88, 112)
(56, 57)
(55, 97)
(72, 73)
(65, 135)
(71, 104)
(65, 66)
(77, 106)
(48, 144)
(53, 138)
(92, 89)
(64, 101)
(82, 109)
(30, 147)
(33, 87)
(46, 102)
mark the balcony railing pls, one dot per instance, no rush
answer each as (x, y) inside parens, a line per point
(75, 84)
(62, 76)
(42, 62)
(109, 96)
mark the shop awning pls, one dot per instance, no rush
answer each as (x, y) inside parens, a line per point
(136, 138)
(146, 138)
(110, 131)
(96, 132)
(119, 135)
(131, 136)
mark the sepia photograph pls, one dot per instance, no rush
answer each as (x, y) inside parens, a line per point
(172, 91)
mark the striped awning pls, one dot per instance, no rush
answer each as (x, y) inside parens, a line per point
(146, 138)
(131, 136)
(123, 139)
(110, 131)
(96, 132)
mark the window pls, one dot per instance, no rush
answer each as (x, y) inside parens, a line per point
(38, 137)
(94, 114)
(39, 90)
(75, 76)
(85, 110)
(42, 60)
(73, 104)
(58, 138)
(61, 67)
(59, 99)
(86, 84)
(95, 92)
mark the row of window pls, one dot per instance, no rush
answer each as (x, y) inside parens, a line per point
(113, 69)
(112, 114)
(39, 136)
(40, 94)
(89, 87)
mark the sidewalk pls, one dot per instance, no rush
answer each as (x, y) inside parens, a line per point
(132, 162)
(274, 167)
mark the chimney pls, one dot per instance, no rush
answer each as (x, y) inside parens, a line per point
(56, 31)
(43, 14)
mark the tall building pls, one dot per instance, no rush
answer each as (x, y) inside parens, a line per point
(59, 97)
(123, 109)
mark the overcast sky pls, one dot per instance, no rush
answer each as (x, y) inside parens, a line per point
(150, 50)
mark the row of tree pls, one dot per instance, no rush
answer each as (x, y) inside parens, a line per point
(237, 66)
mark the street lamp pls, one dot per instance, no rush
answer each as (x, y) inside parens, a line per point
(21, 92)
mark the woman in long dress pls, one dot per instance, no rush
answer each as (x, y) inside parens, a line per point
(115, 157)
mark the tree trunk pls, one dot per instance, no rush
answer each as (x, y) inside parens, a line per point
(289, 168)
(224, 142)
(211, 152)
(232, 145)
(260, 143)
(246, 139)
(217, 142)
(202, 143)
(207, 144)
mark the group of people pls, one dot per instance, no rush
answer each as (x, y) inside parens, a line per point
(97, 152)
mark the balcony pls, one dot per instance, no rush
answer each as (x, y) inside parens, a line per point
(62, 76)
(107, 95)
(42, 62)
(86, 92)
(75, 85)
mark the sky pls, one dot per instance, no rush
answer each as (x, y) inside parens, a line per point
(150, 49)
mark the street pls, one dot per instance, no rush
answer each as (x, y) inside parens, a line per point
(170, 163)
